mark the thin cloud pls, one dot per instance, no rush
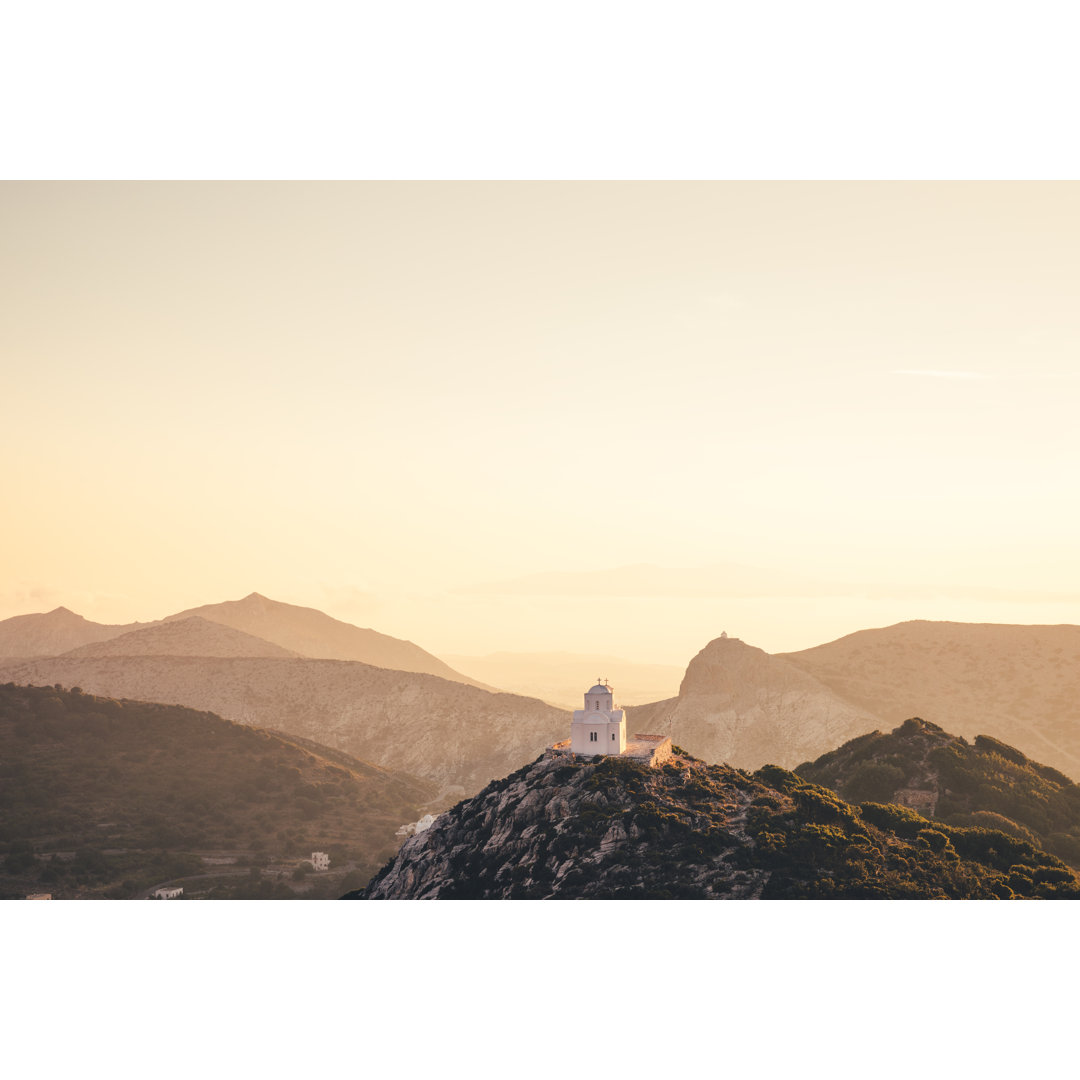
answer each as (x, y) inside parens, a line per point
(931, 373)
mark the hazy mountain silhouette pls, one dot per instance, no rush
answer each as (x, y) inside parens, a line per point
(313, 633)
(53, 632)
(739, 705)
(194, 636)
(1016, 683)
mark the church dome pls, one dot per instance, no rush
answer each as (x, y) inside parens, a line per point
(599, 688)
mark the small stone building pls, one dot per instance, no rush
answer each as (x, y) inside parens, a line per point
(599, 728)
(320, 860)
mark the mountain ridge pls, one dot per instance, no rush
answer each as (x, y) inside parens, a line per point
(315, 634)
(49, 633)
(740, 705)
(193, 636)
(1019, 683)
(455, 735)
(922, 766)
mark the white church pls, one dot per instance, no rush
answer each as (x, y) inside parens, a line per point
(600, 728)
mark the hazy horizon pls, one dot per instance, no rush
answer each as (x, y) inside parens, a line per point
(426, 407)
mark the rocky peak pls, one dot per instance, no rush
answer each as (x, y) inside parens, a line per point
(612, 828)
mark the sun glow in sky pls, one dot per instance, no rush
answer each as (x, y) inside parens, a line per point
(375, 398)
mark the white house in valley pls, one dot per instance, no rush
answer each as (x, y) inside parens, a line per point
(599, 728)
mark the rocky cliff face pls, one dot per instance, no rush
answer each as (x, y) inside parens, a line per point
(455, 735)
(613, 828)
(740, 705)
(557, 829)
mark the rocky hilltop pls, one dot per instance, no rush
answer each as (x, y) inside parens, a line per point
(285, 630)
(740, 705)
(455, 735)
(613, 828)
(943, 776)
(1020, 684)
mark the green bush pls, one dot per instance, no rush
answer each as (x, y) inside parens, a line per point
(873, 782)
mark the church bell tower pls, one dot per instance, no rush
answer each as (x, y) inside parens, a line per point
(599, 728)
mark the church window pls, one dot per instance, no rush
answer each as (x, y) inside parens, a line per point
(592, 736)
(596, 704)
(613, 735)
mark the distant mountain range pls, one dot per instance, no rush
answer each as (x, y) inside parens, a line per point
(53, 633)
(194, 636)
(279, 665)
(1020, 684)
(299, 631)
(739, 705)
(309, 632)
(242, 660)
(455, 735)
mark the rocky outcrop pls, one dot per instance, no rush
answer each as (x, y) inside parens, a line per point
(614, 828)
(739, 705)
(557, 828)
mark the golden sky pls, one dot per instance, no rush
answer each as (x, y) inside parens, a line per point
(392, 401)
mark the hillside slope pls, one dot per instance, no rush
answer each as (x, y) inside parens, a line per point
(988, 783)
(53, 632)
(1020, 684)
(612, 828)
(186, 637)
(455, 735)
(313, 633)
(739, 705)
(134, 793)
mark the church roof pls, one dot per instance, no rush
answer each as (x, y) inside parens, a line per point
(599, 688)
